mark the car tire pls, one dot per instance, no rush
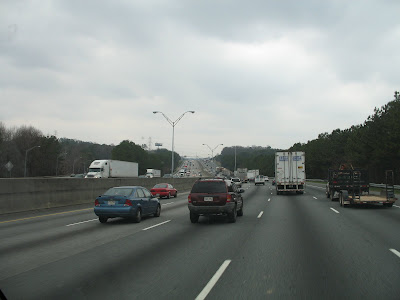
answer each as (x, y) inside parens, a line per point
(103, 219)
(194, 218)
(331, 195)
(328, 195)
(138, 216)
(158, 211)
(240, 212)
(232, 216)
(168, 196)
(176, 195)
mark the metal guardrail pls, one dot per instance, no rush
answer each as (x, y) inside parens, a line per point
(382, 185)
(377, 185)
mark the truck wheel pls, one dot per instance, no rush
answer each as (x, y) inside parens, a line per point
(194, 218)
(388, 204)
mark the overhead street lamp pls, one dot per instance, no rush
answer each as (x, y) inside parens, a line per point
(26, 157)
(212, 150)
(173, 132)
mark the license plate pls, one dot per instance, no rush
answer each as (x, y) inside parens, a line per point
(208, 198)
(111, 202)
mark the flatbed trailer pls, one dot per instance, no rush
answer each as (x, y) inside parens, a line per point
(358, 197)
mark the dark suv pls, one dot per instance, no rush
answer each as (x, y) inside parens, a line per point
(215, 197)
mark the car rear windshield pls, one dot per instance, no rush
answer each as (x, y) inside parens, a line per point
(158, 186)
(119, 192)
(209, 187)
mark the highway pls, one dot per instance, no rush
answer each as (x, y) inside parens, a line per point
(284, 247)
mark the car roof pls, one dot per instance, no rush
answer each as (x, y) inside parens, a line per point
(127, 187)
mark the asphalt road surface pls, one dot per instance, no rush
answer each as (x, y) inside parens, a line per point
(284, 247)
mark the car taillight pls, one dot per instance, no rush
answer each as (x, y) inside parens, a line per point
(128, 202)
(189, 198)
(96, 203)
(229, 198)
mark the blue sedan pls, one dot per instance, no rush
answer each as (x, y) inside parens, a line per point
(131, 202)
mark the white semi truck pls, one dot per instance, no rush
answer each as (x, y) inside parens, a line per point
(107, 168)
(290, 172)
(152, 173)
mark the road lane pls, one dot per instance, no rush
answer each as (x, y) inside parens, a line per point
(298, 248)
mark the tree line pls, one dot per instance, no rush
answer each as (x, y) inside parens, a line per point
(26, 150)
(373, 145)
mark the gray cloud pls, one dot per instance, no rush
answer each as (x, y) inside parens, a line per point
(257, 73)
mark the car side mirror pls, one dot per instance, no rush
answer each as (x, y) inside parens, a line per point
(241, 191)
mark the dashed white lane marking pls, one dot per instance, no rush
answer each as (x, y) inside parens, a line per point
(167, 203)
(334, 210)
(315, 198)
(394, 251)
(213, 280)
(396, 206)
(260, 214)
(269, 199)
(156, 225)
(81, 222)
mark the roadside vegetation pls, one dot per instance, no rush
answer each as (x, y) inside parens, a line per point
(373, 145)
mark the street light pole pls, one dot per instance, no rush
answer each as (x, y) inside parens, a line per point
(234, 170)
(26, 157)
(212, 150)
(65, 153)
(173, 123)
(73, 165)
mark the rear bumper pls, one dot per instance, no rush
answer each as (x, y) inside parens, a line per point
(212, 210)
(289, 187)
(124, 212)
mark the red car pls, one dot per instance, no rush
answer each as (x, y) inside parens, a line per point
(164, 190)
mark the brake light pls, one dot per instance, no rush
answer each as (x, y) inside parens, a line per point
(229, 198)
(128, 202)
(189, 198)
(96, 203)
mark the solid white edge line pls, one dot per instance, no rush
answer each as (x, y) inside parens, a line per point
(207, 289)
(334, 210)
(394, 251)
(167, 203)
(315, 198)
(156, 225)
(260, 214)
(81, 222)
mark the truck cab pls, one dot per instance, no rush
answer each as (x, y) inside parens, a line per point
(98, 169)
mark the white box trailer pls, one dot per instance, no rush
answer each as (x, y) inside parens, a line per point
(152, 173)
(107, 168)
(251, 174)
(290, 172)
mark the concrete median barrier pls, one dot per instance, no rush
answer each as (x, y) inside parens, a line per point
(24, 194)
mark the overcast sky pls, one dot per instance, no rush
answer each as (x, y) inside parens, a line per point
(266, 73)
